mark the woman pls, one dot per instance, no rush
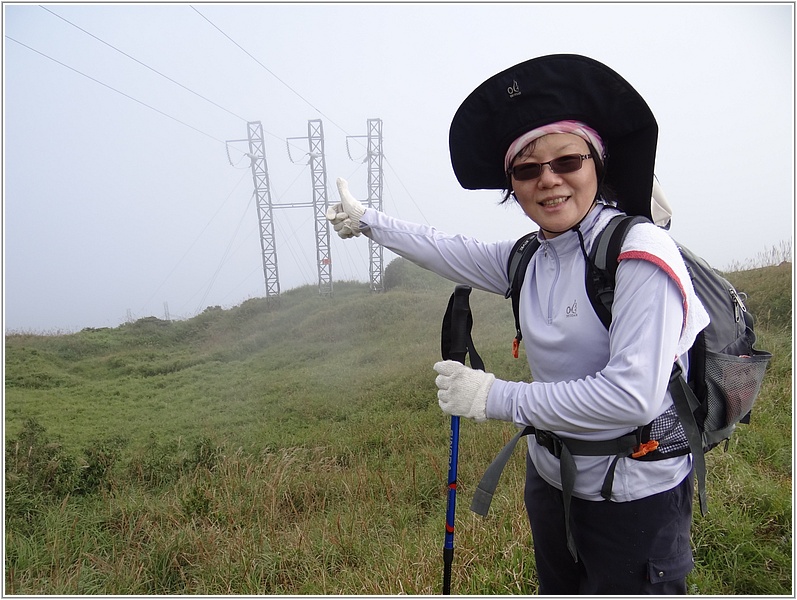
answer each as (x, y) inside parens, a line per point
(562, 135)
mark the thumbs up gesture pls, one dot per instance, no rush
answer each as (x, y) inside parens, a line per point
(345, 215)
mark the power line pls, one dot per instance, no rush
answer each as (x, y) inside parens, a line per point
(245, 51)
(131, 97)
(406, 190)
(114, 89)
(196, 239)
(224, 256)
(143, 64)
(156, 71)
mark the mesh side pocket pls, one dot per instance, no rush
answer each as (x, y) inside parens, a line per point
(732, 385)
(668, 431)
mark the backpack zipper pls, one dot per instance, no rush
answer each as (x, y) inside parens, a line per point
(738, 304)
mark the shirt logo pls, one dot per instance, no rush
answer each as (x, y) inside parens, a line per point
(513, 90)
(572, 311)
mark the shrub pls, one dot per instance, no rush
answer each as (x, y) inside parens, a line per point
(38, 465)
(156, 464)
(100, 460)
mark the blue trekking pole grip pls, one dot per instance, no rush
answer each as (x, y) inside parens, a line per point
(454, 345)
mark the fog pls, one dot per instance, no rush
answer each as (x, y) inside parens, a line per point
(123, 196)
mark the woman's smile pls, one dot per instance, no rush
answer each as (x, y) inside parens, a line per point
(554, 202)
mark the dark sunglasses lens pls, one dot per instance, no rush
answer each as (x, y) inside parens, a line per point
(526, 171)
(566, 164)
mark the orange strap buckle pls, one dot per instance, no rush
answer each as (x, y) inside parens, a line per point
(643, 449)
(515, 347)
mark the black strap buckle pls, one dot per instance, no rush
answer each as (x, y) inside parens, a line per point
(550, 441)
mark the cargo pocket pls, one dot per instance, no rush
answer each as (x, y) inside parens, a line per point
(662, 570)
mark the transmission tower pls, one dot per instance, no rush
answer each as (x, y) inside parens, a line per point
(265, 214)
(374, 157)
(318, 173)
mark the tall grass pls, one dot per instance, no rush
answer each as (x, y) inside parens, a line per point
(299, 449)
(779, 253)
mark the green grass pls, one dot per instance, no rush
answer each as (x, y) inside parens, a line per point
(297, 448)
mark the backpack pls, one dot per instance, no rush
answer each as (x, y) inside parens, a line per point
(724, 379)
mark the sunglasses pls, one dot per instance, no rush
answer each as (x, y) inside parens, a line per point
(564, 164)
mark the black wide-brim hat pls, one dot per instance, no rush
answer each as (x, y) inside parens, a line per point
(554, 88)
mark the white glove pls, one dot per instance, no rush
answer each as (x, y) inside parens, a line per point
(345, 215)
(462, 391)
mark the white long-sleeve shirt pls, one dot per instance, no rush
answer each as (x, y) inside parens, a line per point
(588, 383)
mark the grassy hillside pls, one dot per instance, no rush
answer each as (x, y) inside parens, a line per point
(297, 448)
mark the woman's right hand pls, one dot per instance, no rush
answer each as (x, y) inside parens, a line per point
(345, 215)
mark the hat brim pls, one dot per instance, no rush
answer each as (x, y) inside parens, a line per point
(546, 90)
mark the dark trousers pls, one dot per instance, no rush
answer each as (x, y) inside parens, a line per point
(638, 547)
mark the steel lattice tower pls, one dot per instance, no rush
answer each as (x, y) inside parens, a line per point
(265, 215)
(374, 200)
(318, 173)
(318, 170)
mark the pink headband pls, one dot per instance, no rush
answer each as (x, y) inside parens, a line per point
(578, 128)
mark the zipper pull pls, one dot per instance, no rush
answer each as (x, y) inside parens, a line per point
(738, 303)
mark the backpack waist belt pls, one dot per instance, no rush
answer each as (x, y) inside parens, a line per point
(564, 449)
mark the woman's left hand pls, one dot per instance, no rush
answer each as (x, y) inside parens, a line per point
(462, 391)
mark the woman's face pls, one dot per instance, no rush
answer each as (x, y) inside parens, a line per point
(556, 202)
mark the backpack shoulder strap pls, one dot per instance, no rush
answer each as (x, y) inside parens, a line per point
(600, 289)
(603, 261)
(516, 267)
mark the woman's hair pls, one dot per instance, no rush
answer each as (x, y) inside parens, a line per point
(604, 191)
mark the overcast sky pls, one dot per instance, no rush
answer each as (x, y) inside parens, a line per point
(122, 198)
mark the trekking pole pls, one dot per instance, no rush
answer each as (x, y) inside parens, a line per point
(455, 343)
(448, 544)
